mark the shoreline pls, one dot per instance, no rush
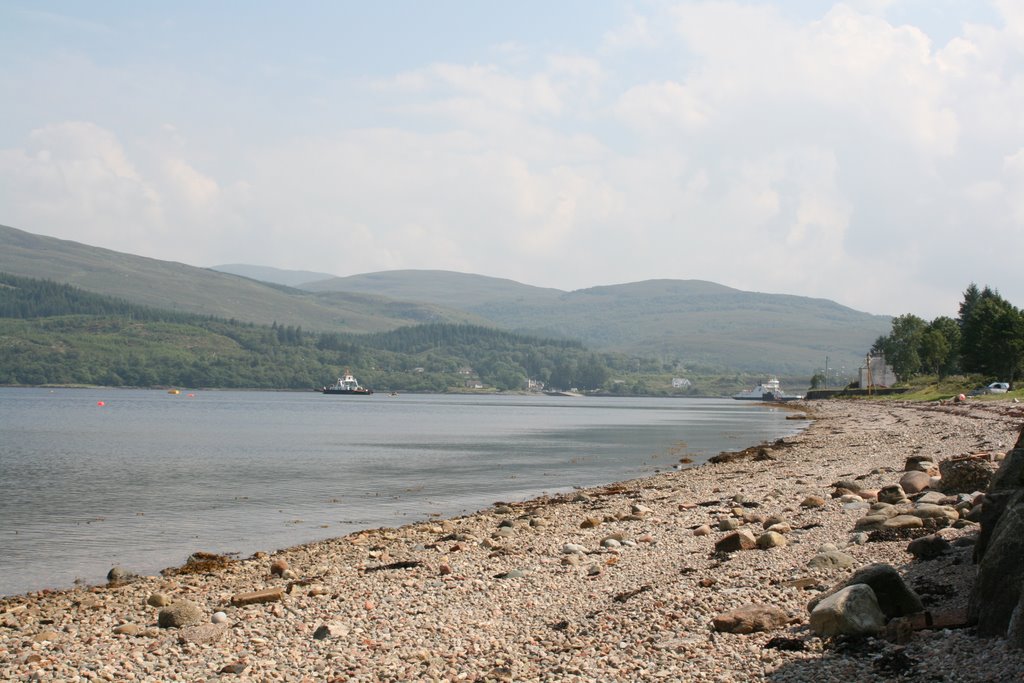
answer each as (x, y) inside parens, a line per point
(494, 596)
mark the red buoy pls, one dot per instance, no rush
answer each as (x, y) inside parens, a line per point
(100, 403)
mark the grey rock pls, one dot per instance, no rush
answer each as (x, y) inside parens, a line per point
(119, 575)
(179, 614)
(930, 511)
(831, 559)
(852, 611)
(894, 596)
(903, 522)
(1000, 577)
(933, 497)
(728, 524)
(158, 600)
(965, 474)
(771, 539)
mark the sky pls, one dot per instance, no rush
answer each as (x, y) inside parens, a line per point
(870, 152)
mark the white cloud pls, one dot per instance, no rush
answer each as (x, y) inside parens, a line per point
(839, 156)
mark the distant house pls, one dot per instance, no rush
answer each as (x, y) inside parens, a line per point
(465, 370)
(876, 373)
(681, 383)
(534, 385)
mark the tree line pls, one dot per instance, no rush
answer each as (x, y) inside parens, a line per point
(987, 337)
(54, 333)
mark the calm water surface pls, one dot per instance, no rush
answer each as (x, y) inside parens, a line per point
(149, 477)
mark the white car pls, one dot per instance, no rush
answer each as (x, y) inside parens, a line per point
(998, 387)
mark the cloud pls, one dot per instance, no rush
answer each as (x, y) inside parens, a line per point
(76, 173)
(838, 155)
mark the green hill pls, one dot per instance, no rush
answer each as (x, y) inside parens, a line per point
(699, 324)
(695, 326)
(290, 278)
(463, 291)
(53, 333)
(179, 287)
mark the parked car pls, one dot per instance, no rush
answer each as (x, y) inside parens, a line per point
(998, 387)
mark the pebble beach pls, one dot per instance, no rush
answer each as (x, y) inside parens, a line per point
(616, 583)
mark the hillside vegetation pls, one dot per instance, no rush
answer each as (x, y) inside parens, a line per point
(691, 327)
(52, 333)
(706, 327)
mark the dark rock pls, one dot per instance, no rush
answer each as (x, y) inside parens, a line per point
(740, 540)
(234, 667)
(892, 494)
(965, 474)
(119, 575)
(919, 463)
(996, 603)
(998, 584)
(786, 644)
(894, 664)
(928, 547)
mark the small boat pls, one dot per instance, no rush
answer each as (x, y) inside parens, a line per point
(174, 392)
(347, 385)
(767, 391)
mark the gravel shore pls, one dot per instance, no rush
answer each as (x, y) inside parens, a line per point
(615, 583)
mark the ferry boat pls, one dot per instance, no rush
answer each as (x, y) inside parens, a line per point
(347, 385)
(767, 391)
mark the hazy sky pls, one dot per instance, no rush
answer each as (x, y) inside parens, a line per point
(870, 152)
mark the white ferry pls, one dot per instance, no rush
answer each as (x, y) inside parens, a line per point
(767, 391)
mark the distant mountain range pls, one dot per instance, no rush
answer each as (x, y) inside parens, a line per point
(695, 325)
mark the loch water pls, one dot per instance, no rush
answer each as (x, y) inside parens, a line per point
(93, 478)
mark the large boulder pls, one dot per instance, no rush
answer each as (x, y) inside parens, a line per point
(895, 598)
(965, 474)
(180, 614)
(999, 582)
(852, 611)
(915, 482)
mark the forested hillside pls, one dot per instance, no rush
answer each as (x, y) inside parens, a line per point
(53, 333)
(704, 326)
